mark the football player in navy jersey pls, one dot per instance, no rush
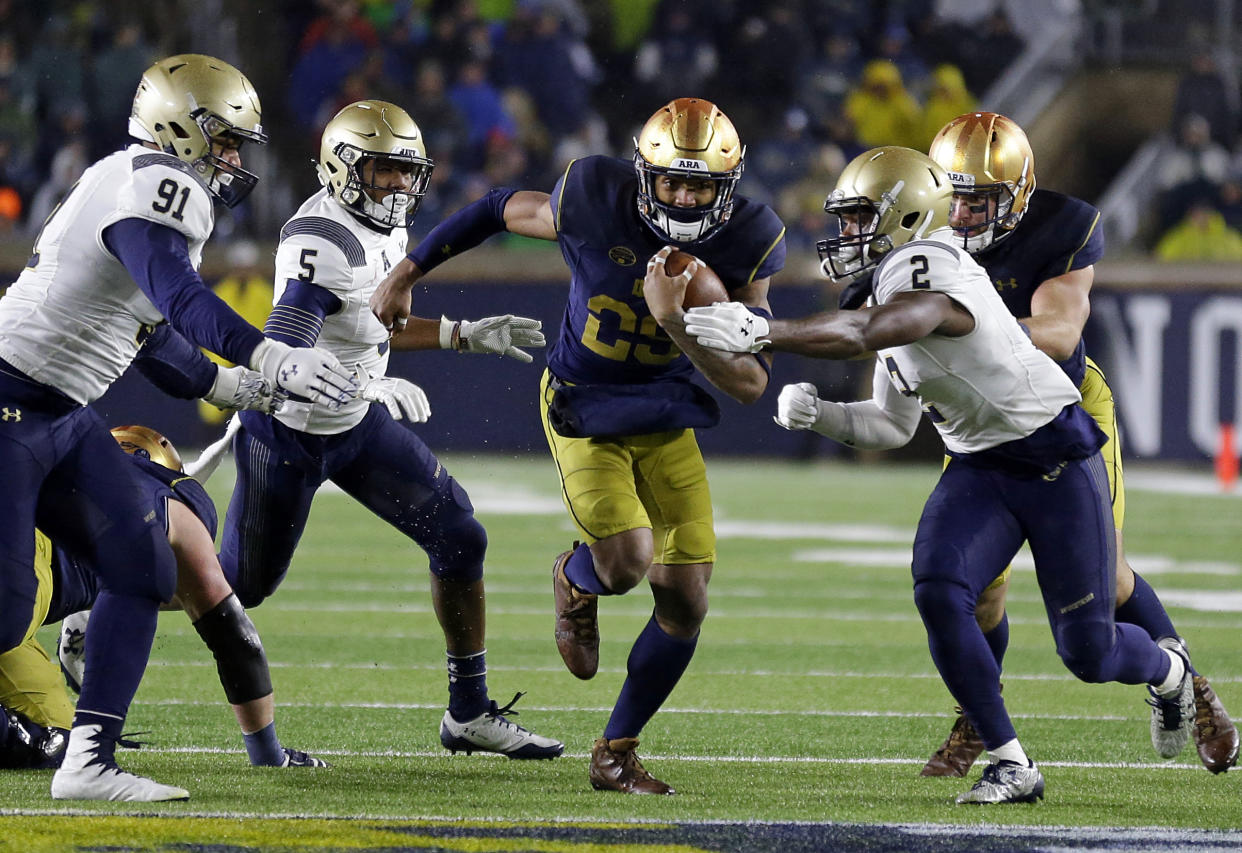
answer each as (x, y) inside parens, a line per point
(1025, 464)
(617, 398)
(333, 252)
(35, 705)
(118, 256)
(1039, 248)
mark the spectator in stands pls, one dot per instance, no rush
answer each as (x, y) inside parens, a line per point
(985, 60)
(882, 111)
(894, 45)
(948, 99)
(71, 157)
(676, 57)
(780, 159)
(540, 54)
(336, 44)
(112, 86)
(1195, 168)
(827, 78)
(480, 104)
(775, 42)
(1202, 235)
(1203, 92)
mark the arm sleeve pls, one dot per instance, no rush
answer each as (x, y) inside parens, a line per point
(174, 365)
(462, 230)
(157, 258)
(299, 314)
(886, 421)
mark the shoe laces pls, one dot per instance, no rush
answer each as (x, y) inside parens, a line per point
(1170, 710)
(631, 763)
(499, 713)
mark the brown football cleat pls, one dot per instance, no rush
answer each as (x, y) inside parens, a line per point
(958, 753)
(1216, 738)
(577, 625)
(615, 767)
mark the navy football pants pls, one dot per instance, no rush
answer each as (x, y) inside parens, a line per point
(972, 526)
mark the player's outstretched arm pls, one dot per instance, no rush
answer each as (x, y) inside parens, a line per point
(907, 318)
(504, 335)
(736, 373)
(522, 212)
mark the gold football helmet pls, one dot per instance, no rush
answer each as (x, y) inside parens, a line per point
(988, 156)
(365, 131)
(186, 102)
(149, 444)
(885, 198)
(690, 139)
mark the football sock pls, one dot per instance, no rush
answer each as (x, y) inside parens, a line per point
(120, 633)
(998, 639)
(467, 685)
(1143, 608)
(264, 748)
(1172, 681)
(580, 569)
(655, 665)
(1009, 751)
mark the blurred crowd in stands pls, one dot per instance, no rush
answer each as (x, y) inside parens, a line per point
(508, 91)
(1200, 181)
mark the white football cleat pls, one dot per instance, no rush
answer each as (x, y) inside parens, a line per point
(71, 648)
(491, 732)
(1006, 782)
(90, 773)
(1173, 715)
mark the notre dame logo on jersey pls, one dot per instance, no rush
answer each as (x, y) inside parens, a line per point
(622, 255)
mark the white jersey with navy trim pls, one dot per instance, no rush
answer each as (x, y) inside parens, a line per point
(324, 244)
(986, 387)
(72, 318)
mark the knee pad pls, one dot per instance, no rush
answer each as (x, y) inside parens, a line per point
(941, 600)
(1084, 648)
(235, 644)
(453, 538)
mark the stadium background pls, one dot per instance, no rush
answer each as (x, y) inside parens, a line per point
(508, 90)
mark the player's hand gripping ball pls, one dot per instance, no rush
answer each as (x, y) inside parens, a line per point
(704, 289)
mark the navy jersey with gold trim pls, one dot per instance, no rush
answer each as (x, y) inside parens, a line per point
(607, 334)
(75, 586)
(1058, 233)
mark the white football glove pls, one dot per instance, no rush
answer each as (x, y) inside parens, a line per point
(213, 454)
(241, 388)
(798, 406)
(728, 326)
(309, 372)
(403, 399)
(496, 335)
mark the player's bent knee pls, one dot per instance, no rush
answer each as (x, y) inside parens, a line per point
(941, 601)
(235, 644)
(1085, 649)
(455, 542)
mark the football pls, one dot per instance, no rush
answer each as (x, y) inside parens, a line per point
(704, 289)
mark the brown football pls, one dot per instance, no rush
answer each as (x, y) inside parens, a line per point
(704, 289)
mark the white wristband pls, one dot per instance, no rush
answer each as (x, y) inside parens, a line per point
(448, 333)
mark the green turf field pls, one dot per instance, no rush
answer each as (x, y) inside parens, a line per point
(812, 697)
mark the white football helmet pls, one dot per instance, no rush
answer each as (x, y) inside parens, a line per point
(891, 196)
(186, 102)
(366, 131)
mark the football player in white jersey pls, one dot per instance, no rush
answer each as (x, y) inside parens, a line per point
(117, 257)
(1025, 460)
(333, 253)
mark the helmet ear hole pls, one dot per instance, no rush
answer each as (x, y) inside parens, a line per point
(910, 219)
(178, 130)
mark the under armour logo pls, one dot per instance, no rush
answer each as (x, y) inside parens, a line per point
(7, 414)
(286, 373)
(748, 328)
(1052, 475)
